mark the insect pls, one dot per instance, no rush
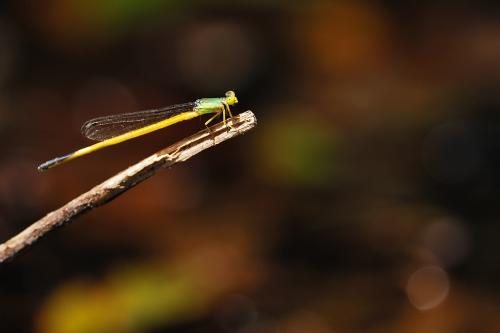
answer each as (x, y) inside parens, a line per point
(114, 129)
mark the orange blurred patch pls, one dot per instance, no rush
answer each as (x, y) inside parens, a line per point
(345, 37)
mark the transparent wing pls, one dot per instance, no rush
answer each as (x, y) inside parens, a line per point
(103, 128)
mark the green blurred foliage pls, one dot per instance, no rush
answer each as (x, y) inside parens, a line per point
(130, 300)
(298, 150)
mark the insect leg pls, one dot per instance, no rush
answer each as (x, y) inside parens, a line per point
(226, 108)
(212, 118)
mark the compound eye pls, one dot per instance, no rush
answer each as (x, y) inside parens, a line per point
(230, 93)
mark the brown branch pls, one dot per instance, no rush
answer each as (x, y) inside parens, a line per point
(125, 180)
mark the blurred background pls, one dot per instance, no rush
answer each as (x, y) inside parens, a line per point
(366, 199)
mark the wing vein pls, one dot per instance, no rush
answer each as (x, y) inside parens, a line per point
(106, 127)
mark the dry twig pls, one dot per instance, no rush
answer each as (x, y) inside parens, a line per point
(125, 180)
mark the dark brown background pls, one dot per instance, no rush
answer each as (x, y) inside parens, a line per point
(366, 200)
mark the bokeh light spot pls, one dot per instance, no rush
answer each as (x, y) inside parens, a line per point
(448, 240)
(427, 287)
(216, 57)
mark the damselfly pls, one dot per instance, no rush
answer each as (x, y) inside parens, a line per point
(114, 129)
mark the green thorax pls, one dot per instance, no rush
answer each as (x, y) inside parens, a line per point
(215, 105)
(209, 105)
